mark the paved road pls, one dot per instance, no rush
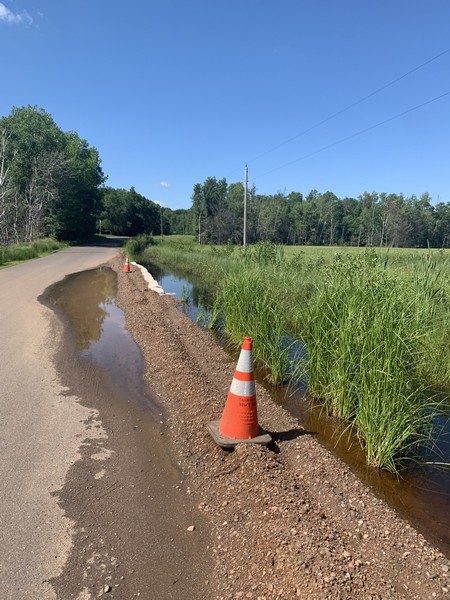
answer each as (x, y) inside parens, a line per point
(39, 433)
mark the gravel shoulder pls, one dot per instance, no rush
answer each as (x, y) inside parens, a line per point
(287, 521)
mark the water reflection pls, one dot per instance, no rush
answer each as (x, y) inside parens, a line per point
(87, 301)
(194, 298)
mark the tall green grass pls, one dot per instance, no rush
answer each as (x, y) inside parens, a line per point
(365, 334)
(249, 307)
(431, 282)
(375, 325)
(23, 252)
(136, 246)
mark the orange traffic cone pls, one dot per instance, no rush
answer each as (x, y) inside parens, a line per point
(239, 423)
(126, 266)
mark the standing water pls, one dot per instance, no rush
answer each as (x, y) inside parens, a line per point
(422, 496)
(87, 301)
(144, 520)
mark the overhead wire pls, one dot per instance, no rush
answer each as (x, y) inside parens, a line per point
(353, 135)
(347, 108)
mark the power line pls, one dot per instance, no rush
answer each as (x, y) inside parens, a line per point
(352, 105)
(353, 135)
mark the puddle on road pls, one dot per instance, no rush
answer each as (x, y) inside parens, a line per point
(147, 507)
(87, 301)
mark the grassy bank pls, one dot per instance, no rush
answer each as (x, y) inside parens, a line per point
(11, 255)
(375, 325)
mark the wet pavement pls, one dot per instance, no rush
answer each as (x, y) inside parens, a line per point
(87, 301)
(126, 495)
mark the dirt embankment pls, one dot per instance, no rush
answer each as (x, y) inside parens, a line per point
(290, 520)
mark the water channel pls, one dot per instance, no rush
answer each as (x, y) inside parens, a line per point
(87, 300)
(422, 496)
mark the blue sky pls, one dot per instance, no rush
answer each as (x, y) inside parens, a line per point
(174, 91)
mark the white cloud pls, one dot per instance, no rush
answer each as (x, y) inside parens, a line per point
(15, 18)
(164, 184)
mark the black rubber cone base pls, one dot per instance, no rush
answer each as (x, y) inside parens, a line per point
(225, 442)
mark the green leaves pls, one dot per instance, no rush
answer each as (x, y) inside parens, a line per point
(53, 179)
(129, 213)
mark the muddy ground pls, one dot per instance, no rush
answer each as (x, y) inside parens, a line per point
(287, 521)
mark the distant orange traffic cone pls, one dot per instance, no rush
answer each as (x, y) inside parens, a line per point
(239, 423)
(126, 266)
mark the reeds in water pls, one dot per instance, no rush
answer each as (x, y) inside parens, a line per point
(375, 336)
(249, 307)
(364, 332)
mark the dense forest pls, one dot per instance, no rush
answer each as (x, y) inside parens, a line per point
(52, 184)
(49, 179)
(372, 219)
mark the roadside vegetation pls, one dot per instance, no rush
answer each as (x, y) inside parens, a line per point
(52, 185)
(374, 325)
(11, 255)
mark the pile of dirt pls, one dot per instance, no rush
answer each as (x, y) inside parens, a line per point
(290, 520)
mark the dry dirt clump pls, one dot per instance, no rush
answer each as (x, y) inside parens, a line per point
(290, 520)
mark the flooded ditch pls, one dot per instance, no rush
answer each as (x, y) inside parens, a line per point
(422, 496)
(87, 301)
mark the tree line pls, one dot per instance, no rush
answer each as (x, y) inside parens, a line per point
(372, 219)
(52, 184)
(126, 212)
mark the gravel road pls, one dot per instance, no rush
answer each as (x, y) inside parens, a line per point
(286, 521)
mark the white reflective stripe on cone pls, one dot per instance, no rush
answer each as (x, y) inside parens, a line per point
(245, 362)
(243, 388)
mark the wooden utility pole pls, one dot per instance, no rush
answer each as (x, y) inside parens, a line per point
(244, 237)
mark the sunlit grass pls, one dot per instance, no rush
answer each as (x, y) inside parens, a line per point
(249, 307)
(21, 252)
(375, 324)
